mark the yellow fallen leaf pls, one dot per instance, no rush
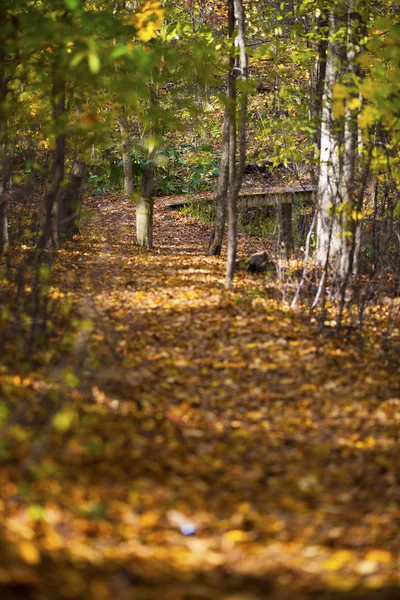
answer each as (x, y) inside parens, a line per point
(29, 552)
(337, 560)
(307, 387)
(340, 583)
(379, 556)
(236, 535)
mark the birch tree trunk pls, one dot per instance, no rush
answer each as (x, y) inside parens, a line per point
(328, 227)
(338, 201)
(236, 180)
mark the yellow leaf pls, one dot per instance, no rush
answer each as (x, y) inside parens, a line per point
(340, 92)
(338, 108)
(64, 419)
(354, 103)
(376, 582)
(307, 387)
(236, 535)
(379, 556)
(367, 116)
(337, 560)
(29, 552)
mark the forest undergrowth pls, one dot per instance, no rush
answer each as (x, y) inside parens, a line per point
(175, 440)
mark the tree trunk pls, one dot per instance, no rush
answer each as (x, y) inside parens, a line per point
(51, 229)
(317, 91)
(144, 205)
(126, 154)
(215, 245)
(5, 156)
(239, 171)
(338, 222)
(145, 202)
(4, 240)
(328, 227)
(71, 204)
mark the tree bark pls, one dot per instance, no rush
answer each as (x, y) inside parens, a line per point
(145, 202)
(328, 227)
(71, 204)
(338, 201)
(144, 205)
(51, 229)
(126, 154)
(5, 155)
(237, 178)
(217, 236)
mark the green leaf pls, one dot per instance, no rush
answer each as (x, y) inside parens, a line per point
(94, 63)
(119, 50)
(72, 4)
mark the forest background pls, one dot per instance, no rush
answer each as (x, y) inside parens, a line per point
(168, 426)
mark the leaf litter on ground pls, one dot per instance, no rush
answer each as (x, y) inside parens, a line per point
(180, 441)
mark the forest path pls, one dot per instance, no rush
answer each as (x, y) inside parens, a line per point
(223, 415)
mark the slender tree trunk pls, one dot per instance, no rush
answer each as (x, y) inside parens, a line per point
(239, 171)
(5, 155)
(126, 154)
(350, 245)
(215, 245)
(51, 228)
(5, 176)
(144, 205)
(4, 239)
(328, 227)
(228, 150)
(145, 202)
(71, 204)
(319, 78)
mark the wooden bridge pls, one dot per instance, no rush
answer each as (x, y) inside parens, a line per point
(282, 197)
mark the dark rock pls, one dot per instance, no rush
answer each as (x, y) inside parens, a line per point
(260, 263)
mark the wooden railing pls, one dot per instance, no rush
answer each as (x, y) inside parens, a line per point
(282, 197)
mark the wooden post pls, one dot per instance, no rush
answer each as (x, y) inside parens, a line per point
(285, 225)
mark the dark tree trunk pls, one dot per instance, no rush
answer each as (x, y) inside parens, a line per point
(228, 150)
(5, 154)
(71, 204)
(217, 236)
(145, 202)
(52, 206)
